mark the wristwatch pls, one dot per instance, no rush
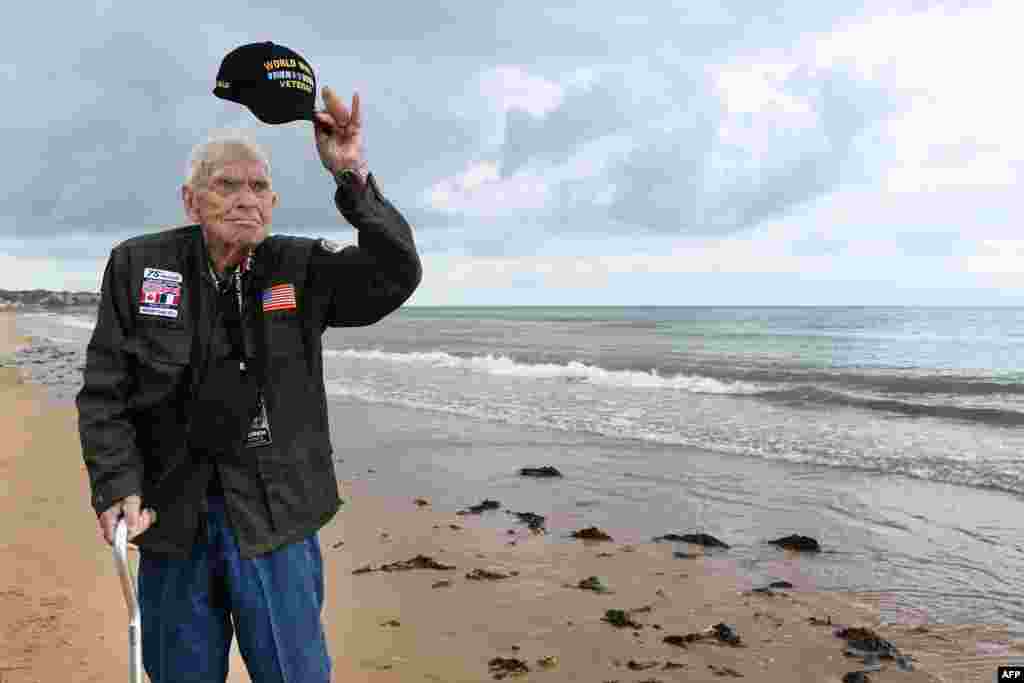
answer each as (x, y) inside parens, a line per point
(351, 177)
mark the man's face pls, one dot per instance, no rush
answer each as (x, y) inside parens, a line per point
(235, 205)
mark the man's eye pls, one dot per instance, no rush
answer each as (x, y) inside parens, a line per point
(229, 185)
(260, 187)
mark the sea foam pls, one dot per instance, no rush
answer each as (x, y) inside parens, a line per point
(572, 371)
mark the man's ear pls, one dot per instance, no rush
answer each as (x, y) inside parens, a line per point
(191, 203)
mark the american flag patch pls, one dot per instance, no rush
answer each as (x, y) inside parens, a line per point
(279, 298)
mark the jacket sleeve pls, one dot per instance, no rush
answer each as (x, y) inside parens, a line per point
(359, 285)
(104, 410)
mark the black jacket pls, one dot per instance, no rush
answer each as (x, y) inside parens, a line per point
(143, 370)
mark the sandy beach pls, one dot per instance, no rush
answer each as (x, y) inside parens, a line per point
(420, 593)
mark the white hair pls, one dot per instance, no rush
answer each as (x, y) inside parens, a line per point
(222, 147)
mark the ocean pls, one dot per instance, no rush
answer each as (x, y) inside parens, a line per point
(892, 435)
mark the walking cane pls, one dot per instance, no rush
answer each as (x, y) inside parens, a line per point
(129, 585)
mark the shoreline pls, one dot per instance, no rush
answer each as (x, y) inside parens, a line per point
(64, 618)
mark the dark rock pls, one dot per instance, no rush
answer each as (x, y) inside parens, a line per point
(532, 520)
(591, 533)
(620, 619)
(546, 471)
(500, 667)
(418, 562)
(484, 574)
(861, 642)
(856, 677)
(678, 641)
(727, 634)
(685, 556)
(487, 504)
(634, 665)
(706, 540)
(827, 621)
(773, 585)
(703, 539)
(724, 671)
(392, 622)
(795, 542)
(593, 583)
(444, 583)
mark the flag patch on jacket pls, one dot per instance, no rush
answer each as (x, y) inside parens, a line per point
(158, 297)
(279, 298)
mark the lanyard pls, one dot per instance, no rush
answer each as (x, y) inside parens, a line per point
(245, 265)
(241, 316)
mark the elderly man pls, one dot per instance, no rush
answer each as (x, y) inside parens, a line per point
(203, 416)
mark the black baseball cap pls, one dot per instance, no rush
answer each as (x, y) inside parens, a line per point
(275, 83)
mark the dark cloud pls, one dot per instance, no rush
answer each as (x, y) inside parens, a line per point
(582, 116)
(693, 183)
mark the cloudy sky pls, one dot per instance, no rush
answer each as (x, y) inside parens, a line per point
(664, 152)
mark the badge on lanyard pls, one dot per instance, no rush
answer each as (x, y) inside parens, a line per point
(259, 429)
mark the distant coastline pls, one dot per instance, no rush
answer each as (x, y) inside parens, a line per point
(44, 298)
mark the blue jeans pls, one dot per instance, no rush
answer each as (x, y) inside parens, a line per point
(192, 607)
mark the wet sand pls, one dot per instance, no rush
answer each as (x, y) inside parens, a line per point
(62, 616)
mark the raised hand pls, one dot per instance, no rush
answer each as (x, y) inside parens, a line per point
(338, 134)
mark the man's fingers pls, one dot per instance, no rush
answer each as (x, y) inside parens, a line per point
(147, 518)
(108, 521)
(324, 119)
(335, 106)
(354, 119)
(131, 513)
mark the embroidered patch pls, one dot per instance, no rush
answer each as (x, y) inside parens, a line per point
(279, 298)
(159, 298)
(163, 275)
(331, 246)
